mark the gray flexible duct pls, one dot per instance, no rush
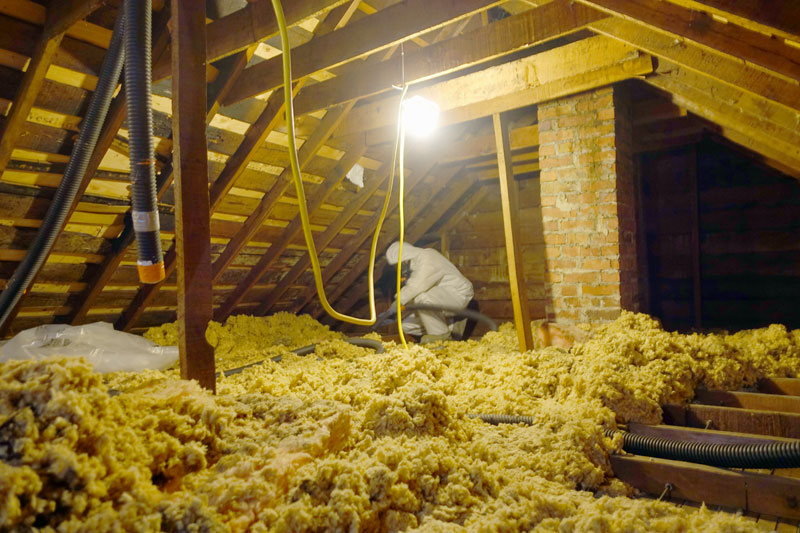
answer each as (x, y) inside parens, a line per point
(305, 350)
(456, 311)
(767, 455)
(140, 127)
(73, 175)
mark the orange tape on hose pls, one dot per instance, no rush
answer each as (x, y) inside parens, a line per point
(151, 273)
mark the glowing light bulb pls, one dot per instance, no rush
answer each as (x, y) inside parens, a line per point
(420, 116)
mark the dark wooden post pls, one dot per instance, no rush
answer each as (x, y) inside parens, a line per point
(192, 220)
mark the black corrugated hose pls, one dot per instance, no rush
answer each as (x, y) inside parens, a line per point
(767, 455)
(150, 263)
(305, 350)
(73, 175)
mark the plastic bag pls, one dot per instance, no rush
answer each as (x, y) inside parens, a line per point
(99, 343)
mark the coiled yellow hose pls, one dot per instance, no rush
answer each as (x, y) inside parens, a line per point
(301, 199)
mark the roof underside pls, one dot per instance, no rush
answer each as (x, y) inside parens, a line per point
(698, 65)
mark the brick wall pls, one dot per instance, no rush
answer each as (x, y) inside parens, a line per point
(588, 206)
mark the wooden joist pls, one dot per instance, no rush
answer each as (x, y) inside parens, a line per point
(749, 400)
(789, 386)
(759, 493)
(770, 17)
(384, 29)
(734, 419)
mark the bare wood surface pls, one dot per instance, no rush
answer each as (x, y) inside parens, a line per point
(715, 486)
(509, 195)
(192, 230)
(789, 386)
(749, 400)
(734, 419)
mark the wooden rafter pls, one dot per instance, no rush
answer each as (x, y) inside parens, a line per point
(251, 24)
(746, 120)
(770, 17)
(457, 187)
(277, 247)
(721, 67)
(310, 147)
(505, 36)
(370, 34)
(763, 52)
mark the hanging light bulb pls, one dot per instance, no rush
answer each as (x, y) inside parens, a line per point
(420, 116)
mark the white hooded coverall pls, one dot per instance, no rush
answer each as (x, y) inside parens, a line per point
(433, 281)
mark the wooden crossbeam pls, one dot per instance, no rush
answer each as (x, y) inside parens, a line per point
(251, 24)
(457, 187)
(505, 36)
(192, 220)
(310, 147)
(790, 386)
(759, 50)
(509, 195)
(770, 17)
(759, 493)
(384, 29)
(725, 69)
(367, 230)
(583, 65)
(292, 230)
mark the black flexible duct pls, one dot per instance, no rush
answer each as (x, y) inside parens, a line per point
(140, 127)
(767, 455)
(305, 350)
(73, 176)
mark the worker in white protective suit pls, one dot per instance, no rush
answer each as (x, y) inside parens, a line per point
(433, 281)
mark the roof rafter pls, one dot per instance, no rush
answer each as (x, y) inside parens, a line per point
(771, 17)
(385, 28)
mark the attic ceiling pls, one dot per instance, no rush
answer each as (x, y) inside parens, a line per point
(694, 65)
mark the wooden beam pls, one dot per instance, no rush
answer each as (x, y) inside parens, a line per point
(289, 234)
(579, 66)
(384, 29)
(730, 71)
(749, 400)
(763, 52)
(509, 200)
(193, 226)
(252, 24)
(770, 17)
(734, 419)
(62, 14)
(790, 386)
(267, 203)
(758, 493)
(503, 37)
(730, 110)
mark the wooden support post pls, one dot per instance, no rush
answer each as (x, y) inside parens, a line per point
(510, 203)
(192, 220)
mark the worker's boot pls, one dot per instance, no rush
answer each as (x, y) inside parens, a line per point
(426, 339)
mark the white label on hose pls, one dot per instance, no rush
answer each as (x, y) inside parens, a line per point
(144, 263)
(145, 220)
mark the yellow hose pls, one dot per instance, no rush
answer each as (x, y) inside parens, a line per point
(301, 198)
(402, 134)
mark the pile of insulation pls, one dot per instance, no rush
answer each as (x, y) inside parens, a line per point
(347, 439)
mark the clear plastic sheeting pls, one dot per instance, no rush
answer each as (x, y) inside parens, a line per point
(98, 343)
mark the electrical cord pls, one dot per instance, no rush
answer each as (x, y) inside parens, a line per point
(301, 199)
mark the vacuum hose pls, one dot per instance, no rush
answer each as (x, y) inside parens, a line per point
(150, 263)
(465, 313)
(64, 196)
(305, 350)
(768, 455)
